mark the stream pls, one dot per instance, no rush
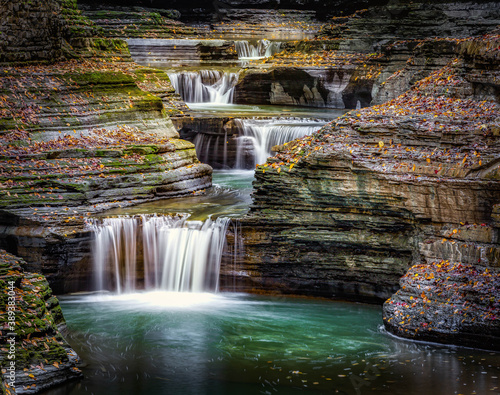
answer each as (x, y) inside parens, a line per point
(152, 342)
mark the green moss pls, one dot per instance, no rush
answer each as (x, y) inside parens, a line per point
(99, 78)
(141, 149)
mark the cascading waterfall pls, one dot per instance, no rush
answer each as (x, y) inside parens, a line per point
(205, 86)
(158, 252)
(257, 137)
(263, 49)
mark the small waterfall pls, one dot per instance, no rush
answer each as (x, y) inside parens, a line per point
(212, 149)
(205, 86)
(257, 137)
(263, 49)
(152, 252)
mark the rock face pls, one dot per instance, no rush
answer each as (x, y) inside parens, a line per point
(447, 302)
(312, 82)
(214, 138)
(34, 353)
(134, 22)
(414, 181)
(31, 30)
(168, 52)
(370, 29)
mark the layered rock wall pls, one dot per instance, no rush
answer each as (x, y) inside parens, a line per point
(31, 30)
(309, 80)
(34, 353)
(346, 212)
(371, 28)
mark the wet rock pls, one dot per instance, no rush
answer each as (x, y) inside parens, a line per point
(343, 86)
(33, 346)
(447, 302)
(413, 181)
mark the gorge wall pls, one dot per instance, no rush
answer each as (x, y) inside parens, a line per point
(346, 212)
(34, 353)
(30, 31)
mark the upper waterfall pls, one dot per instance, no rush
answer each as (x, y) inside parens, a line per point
(158, 252)
(205, 86)
(262, 49)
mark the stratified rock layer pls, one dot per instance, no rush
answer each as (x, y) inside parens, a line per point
(318, 79)
(447, 303)
(78, 138)
(346, 212)
(41, 356)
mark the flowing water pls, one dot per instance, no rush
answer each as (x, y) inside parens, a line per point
(164, 341)
(257, 50)
(176, 254)
(204, 86)
(257, 137)
(218, 344)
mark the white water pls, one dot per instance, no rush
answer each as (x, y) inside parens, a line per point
(259, 136)
(205, 86)
(177, 255)
(263, 49)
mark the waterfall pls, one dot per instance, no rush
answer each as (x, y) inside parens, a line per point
(263, 49)
(257, 137)
(205, 86)
(158, 252)
(212, 149)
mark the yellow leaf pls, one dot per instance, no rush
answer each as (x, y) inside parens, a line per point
(380, 144)
(291, 166)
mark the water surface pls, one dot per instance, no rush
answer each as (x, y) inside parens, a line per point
(216, 344)
(229, 197)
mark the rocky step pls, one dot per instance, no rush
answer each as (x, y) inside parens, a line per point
(35, 355)
(447, 302)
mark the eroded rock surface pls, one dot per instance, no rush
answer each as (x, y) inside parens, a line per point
(414, 181)
(41, 356)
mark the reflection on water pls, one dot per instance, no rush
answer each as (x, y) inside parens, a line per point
(229, 197)
(215, 344)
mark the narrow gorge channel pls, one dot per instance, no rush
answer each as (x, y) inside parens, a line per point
(250, 197)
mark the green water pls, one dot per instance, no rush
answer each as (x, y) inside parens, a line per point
(229, 197)
(215, 344)
(245, 110)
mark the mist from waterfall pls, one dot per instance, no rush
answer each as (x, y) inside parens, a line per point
(158, 253)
